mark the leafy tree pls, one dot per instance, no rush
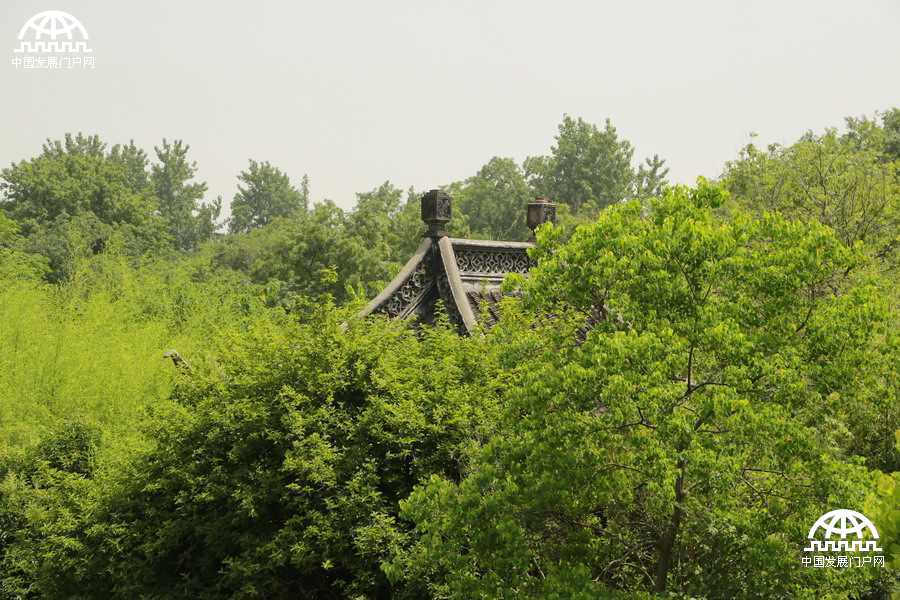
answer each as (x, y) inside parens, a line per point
(304, 192)
(493, 201)
(678, 423)
(650, 179)
(885, 511)
(842, 181)
(308, 255)
(71, 198)
(134, 161)
(880, 133)
(189, 220)
(73, 177)
(587, 166)
(387, 224)
(327, 250)
(265, 193)
(891, 123)
(15, 262)
(67, 242)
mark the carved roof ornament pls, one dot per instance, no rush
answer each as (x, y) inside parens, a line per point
(436, 212)
(540, 211)
(465, 275)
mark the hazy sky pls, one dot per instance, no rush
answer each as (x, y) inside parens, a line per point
(424, 93)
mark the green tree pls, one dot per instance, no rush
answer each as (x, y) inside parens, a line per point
(650, 179)
(190, 221)
(587, 166)
(493, 201)
(880, 133)
(325, 251)
(676, 425)
(265, 193)
(44, 494)
(73, 197)
(134, 161)
(843, 181)
(388, 224)
(891, 123)
(304, 192)
(75, 176)
(15, 262)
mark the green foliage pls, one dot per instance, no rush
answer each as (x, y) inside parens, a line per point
(849, 182)
(91, 349)
(45, 494)
(297, 255)
(885, 510)
(493, 201)
(388, 225)
(650, 179)
(188, 219)
(264, 194)
(75, 195)
(587, 166)
(677, 425)
(15, 262)
(73, 177)
(277, 472)
(891, 123)
(673, 395)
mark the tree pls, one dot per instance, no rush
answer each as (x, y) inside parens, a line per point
(51, 478)
(328, 250)
(15, 262)
(494, 199)
(304, 192)
(650, 179)
(891, 122)
(587, 166)
(73, 197)
(880, 133)
(190, 221)
(677, 423)
(72, 177)
(134, 161)
(265, 193)
(386, 228)
(842, 181)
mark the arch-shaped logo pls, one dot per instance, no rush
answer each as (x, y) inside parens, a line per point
(843, 530)
(53, 31)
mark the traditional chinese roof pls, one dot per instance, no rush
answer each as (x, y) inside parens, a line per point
(465, 275)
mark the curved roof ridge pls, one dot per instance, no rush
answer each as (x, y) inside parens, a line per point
(448, 258)
(401, 278)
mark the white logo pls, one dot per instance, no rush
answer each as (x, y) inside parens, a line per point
(53, 39)
(836, 526)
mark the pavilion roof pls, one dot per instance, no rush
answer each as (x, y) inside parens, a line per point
(464, 274)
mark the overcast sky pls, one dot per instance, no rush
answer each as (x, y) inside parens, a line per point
(423, 93)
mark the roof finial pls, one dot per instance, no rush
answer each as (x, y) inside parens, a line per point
(436, 212)
(540, 211)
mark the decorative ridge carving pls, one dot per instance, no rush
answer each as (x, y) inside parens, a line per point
(493, 262)
(413, 275)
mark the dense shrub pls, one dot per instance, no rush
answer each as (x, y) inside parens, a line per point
(278, 472)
